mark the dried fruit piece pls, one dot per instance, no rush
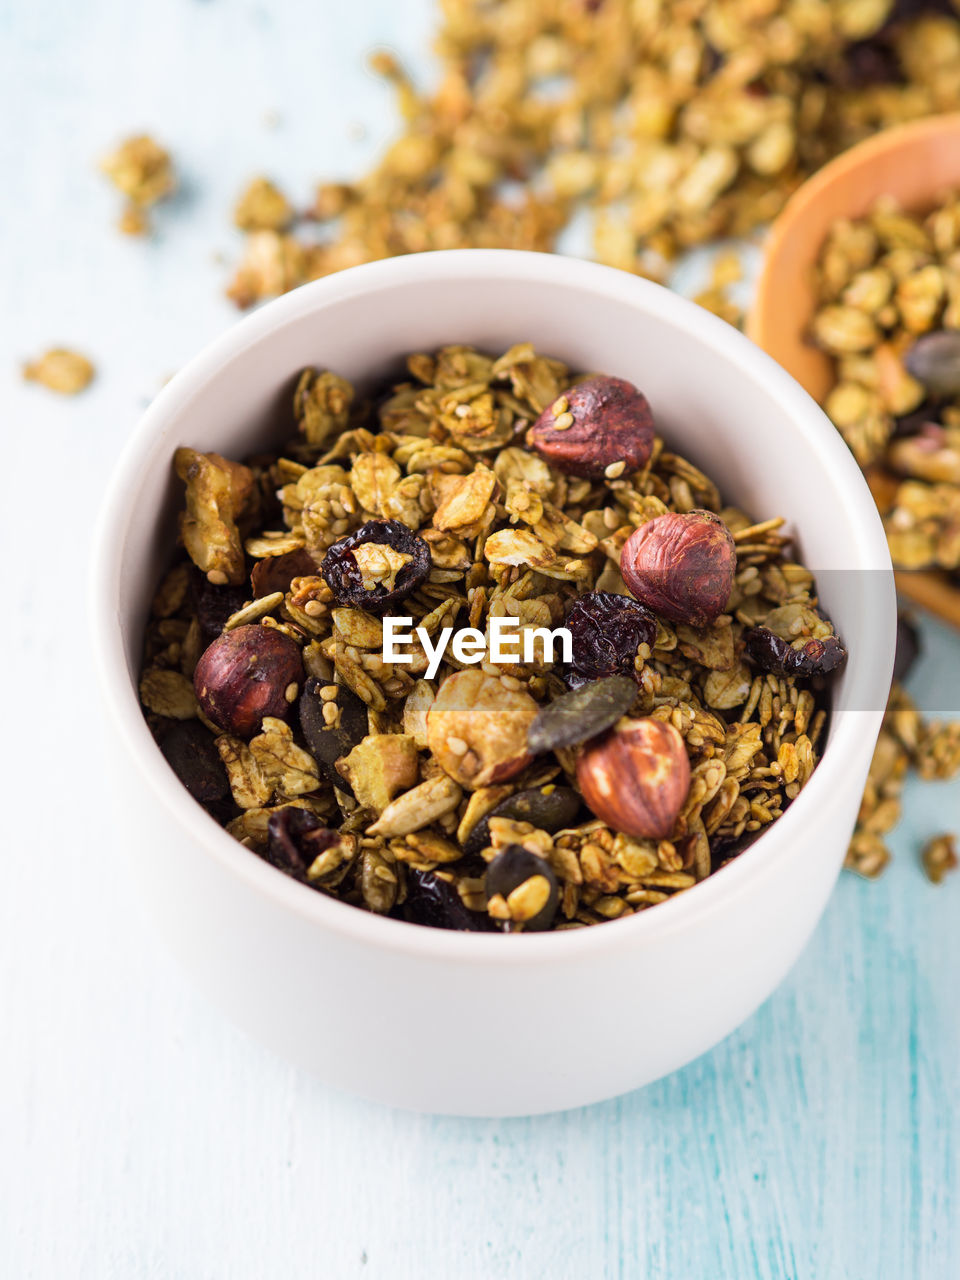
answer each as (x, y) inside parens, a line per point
(521, 890)
(606, 630)
(681, 564)
(189, 749)
(596, 424)
(547, 808)
(246, 674)
(435, 902)
(581, 714)
(296, 838)
(813, 657)
(636, 777)
(60, 370)
(477, 729)
(934, 360)
(330, 739)
(376, 566)
(275, 573)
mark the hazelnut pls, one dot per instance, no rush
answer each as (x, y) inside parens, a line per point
(244, 675)
(682, 565)
(477, 729)
(636, 777)
(596, 424)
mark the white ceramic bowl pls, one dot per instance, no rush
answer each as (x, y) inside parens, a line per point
(477, 1024)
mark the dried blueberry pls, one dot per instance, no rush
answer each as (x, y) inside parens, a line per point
(214, 605)
(908, 647)
(606, 630)
(376, 566)
(527, 885)
(295, 838)
(548, 808)
(582, 713)
(814, 658)
(189, 750)
(326, 744)
(435, 902)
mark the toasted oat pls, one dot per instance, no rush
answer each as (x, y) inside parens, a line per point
(61, 370)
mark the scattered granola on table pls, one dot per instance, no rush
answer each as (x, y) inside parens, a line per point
(60, 370)
(671, 124)
(686, 717)
(141, 170)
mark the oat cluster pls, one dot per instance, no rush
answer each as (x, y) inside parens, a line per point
(669, 123)
(142, 171)
(60, 369)
(397, 793)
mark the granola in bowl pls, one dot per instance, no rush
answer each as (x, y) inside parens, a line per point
(452, 786)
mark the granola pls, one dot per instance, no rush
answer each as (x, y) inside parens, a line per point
(453, 789)
(668, 124)
(142, 170)
(66, 372)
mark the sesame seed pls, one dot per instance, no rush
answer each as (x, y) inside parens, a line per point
(614, 470)
(330, 712)
(329, 692)
(217, 578)
(511, 683)
(611, 518)
(291, 691)
(313, 608)
(457, 746)
(563, 422)
(560, 406)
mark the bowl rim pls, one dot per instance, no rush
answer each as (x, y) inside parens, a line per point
(757, 862)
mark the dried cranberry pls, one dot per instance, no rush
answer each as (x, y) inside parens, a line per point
(606, 630)
(295, 838)
(342, 571)
(435, 902)
(771, 653)
(275, 573)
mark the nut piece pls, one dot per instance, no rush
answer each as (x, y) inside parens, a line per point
(598, 422)
(682, 565)
(477, 729)
(636, 777)
(244, 675)
(379, 767)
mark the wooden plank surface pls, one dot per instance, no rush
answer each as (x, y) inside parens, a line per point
(140, 1135)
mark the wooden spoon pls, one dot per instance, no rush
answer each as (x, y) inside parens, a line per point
(916, 163)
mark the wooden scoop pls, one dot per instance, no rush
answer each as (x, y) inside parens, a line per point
(916, 163)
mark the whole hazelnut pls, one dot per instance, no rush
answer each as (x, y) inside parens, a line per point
(245, 675)
(597, 423)
(682, 565)
(636, 777)
(477, 728)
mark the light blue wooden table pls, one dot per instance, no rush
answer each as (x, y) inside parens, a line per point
(141, 1136)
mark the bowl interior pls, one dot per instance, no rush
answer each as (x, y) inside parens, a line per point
(717, 400)
(915, 163)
